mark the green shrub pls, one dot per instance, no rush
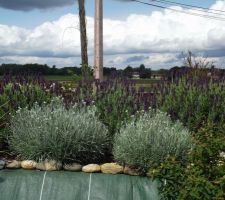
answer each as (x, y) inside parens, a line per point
(194, 100)
(171, 174)
(149, 140)
(116, 100)
(113, 108)
(23, 95)
(54, 132)
(3, 129)
(203, 176)
(13, 96)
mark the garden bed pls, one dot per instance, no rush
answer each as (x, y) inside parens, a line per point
(174, 135)
(39, 185)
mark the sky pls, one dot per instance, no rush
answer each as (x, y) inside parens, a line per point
(47, 32)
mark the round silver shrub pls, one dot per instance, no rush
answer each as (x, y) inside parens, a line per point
(149, 139)
(54, 132)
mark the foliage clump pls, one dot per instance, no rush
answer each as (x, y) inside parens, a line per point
(203, 175)
(148, 140)
(54, 132)
(116, 100)
(18, 92)
(195, 97)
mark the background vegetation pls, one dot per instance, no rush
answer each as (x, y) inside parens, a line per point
(182, 144)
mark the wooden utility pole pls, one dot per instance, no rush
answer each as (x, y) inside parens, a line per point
(83, 38)
(98, 40)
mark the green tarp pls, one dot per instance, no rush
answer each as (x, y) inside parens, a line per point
(61, 185)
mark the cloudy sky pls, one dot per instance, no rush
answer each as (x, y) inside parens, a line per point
(43, 31)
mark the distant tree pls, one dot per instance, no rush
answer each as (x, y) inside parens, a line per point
(173, 73)
(144, 72)
(128, 71)
(15, 69)
(109, 71)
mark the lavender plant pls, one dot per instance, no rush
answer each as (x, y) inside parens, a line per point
(116, 100)
(195, 98)
(2, 130)
(149, 139)
(54, 132)
(22, 91)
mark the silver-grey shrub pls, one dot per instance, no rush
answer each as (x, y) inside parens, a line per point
(54, 132)
(149, 140)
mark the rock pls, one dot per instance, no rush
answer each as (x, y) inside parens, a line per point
(49, 165)
(75, 167)
(91, 168)
(52, 165)
(130, 171)
(28, 164)
(14, 164)
(111, 168)
(40, 166)
(2, 164)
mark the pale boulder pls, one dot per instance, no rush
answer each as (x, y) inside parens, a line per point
(52, 165)
(49, 165)
(111, 168)
(129, 171)
(40, 166)
(91, 168)
(74, 167)
(28, 164)
(15, 164)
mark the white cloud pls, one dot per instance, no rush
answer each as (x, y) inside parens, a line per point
(155, 39)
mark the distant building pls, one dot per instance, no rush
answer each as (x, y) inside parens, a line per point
(157, 76)
(135, 75)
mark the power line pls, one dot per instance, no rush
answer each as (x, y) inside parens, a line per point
(184, 12)
(197, 8)
(192, 6)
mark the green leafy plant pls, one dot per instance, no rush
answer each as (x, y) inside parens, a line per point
(194, 98)
(148, 141)
(117, 99)
(202, 176)
(54, 132)
(205, 177)
(3, 131)
(14, 96)
(171, 174)
(113, 108)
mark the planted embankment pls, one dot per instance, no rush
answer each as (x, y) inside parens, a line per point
(61, 185)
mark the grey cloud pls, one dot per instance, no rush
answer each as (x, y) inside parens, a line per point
(214, 53)
(27, 5)
(136, 58)
(38, 53)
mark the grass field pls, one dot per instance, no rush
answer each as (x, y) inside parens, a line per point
(59, 78)
(71, 78)
(145, 83)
